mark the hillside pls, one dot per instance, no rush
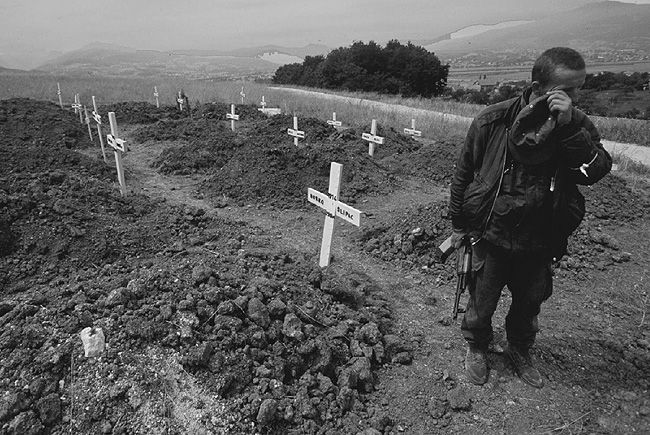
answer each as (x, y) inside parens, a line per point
(602, 27)
(108, 59)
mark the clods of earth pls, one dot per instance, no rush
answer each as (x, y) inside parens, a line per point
(209, 325)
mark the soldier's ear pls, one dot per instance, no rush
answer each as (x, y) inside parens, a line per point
(537, 87)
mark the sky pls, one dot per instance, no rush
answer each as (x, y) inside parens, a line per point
(65, 25)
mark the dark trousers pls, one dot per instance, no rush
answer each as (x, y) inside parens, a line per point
(529, 279)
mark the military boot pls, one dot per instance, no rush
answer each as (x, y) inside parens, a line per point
(523, 365)
(476, 365)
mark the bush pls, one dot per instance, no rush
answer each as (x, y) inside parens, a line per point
(408, 70)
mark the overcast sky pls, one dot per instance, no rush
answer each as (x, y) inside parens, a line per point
(64, 25)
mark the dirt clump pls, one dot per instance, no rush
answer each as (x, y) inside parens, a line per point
(189, 304)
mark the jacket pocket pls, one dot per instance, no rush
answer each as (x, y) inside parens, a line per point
(478, 202)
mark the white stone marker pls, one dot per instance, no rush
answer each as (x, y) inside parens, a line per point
(333, 207)
(155, 94)
(87, 121)
(119, 147)
(297, 134)
(263, 103)
(372, 138)
(232, 117)
(93, 341)
(333, 121)
(58, 92)
(242, 95)
(412, 131)
(98, 120)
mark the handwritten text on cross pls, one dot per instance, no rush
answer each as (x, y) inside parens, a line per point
(334, 208)
(372, 138)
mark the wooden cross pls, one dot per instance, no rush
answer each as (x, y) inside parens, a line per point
(333, 208)
(333, 121)
(242, 95)
(412, 131)
(79, 106)
(98, 120)
(297, 134)
(76, 105)
(155, 94)
(270, 110)
(87, 120)
(119, 147)
(372, 138)
(58, 92)
(180, 100)
(232, 117)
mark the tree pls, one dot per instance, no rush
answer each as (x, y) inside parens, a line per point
(288, 74)
(407, 69)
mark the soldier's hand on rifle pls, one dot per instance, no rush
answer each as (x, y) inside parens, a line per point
(457, 237)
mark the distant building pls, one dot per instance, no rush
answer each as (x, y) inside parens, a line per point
(484, 84)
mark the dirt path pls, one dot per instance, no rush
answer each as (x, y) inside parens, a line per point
(431, 395)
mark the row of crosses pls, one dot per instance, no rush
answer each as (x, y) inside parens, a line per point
(330, 203)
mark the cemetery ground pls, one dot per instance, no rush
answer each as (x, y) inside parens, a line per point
(204, 280)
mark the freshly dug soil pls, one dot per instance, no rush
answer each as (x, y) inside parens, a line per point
(217, 318)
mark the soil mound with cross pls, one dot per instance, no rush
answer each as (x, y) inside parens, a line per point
(259, 162)
(211, 328)
(270, 340)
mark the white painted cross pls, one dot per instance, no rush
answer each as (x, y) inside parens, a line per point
(333, 121)
(334, 208)
(412, 131)
(58, 92)
(119, 147)
(242, 95)
(180, 100)
(79, 106)
(372, 138)
(232, 117)
(155, 94)
(98, 120)
(76, 105)
(87, 121)
(297, 134)
(270, 110)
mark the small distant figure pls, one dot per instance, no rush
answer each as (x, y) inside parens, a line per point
(182, 102)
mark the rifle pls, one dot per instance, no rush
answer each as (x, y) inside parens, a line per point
(463, 267)
(463, 270)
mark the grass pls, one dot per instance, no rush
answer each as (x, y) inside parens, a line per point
(624, 130)
(358, 112)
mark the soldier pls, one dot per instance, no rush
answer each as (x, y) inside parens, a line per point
(514, 195)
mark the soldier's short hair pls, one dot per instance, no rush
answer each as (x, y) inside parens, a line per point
(546, 64)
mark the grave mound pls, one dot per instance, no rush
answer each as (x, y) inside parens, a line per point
(275, 343)
(138, 112)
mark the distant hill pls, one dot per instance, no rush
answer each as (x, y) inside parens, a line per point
(603, 25)
(109, 59)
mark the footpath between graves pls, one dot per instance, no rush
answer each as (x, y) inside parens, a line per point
(430, 394)
(218, 320)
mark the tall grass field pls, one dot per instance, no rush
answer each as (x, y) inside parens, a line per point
(359, 110)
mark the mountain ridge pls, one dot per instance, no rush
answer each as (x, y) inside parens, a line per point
(600, 25)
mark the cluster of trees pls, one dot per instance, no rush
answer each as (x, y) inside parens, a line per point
(474, 96)
(608, 80)
(603, 94)
(616, 94)
(408, 70)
